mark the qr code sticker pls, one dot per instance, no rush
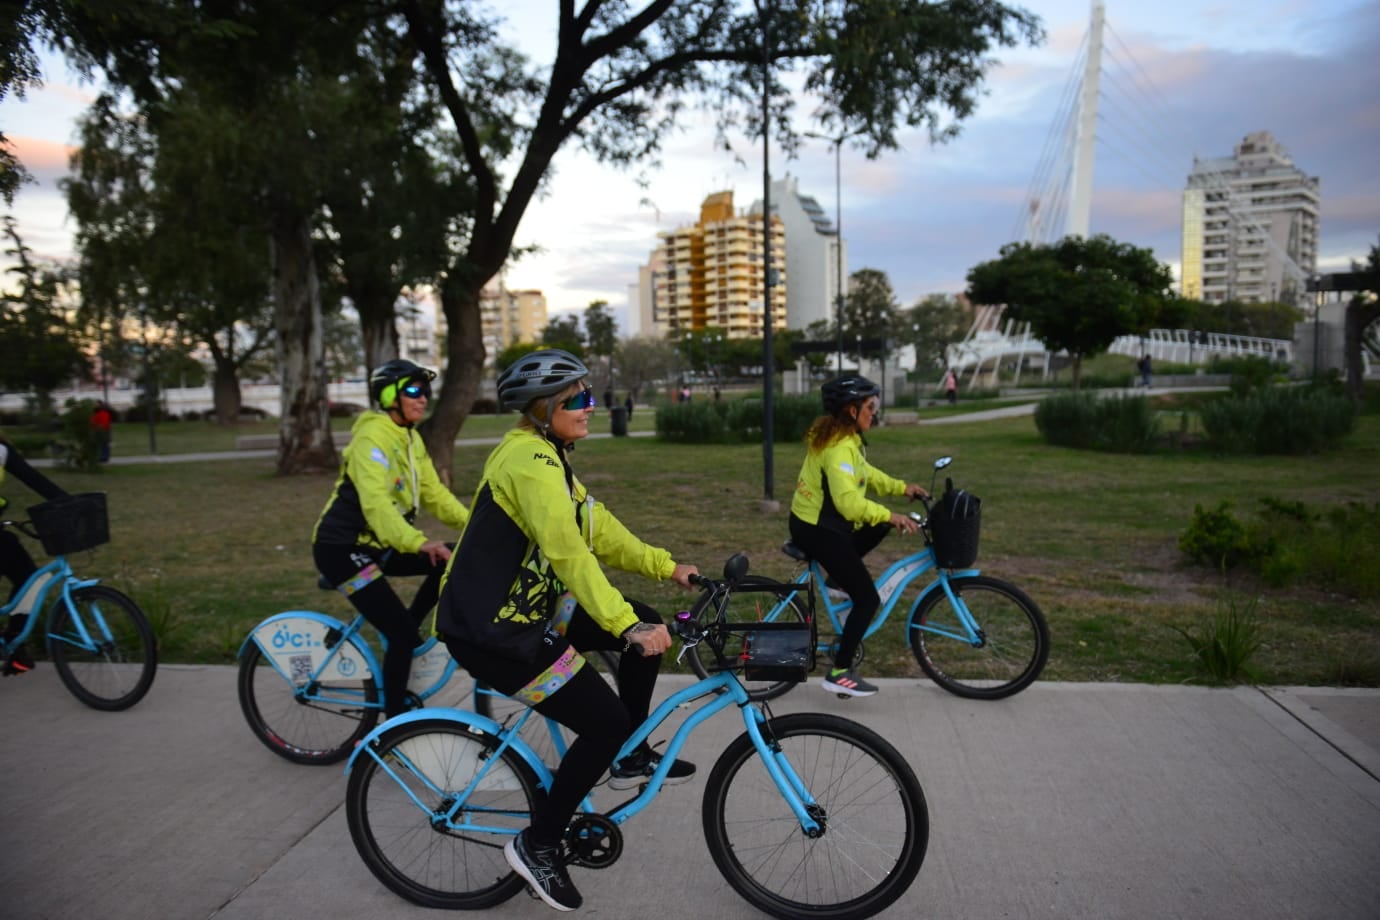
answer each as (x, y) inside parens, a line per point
(299, 668)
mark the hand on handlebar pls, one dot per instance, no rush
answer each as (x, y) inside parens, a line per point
(684, 575)
(904, 523)
(436, 550)
(648, 639)
(915, 490)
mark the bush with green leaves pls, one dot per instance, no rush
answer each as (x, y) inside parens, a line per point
(1118, 424)
(735, 421)
(1278, 420)
(1224, 646)
(1217, 538)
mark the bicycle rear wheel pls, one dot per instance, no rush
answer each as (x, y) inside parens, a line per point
(317, 723)
(748, 607)
(397, 816)
(1012, 646)
(113, 666)
(867, 799)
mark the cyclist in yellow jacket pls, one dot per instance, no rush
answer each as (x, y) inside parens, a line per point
(15, 562)
(834, 521)
(367, 529)
(525, 593)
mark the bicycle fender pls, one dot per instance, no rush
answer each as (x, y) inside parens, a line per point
(471, 720)
(295, 641)
(75, 583)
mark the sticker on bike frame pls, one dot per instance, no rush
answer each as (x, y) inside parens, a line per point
(297, 646)
(552, 679)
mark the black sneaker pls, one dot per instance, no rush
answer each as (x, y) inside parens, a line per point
(19, 662)
(847, 682)
(635, 769)
(544, 871)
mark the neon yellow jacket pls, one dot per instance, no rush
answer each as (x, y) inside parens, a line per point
(385, 476)
(536, 533)
(831, 490)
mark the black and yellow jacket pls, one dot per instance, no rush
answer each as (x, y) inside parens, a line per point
(385, 476)
(535, 533)
(831, 490)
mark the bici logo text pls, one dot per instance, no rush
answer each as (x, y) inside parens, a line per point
(285, 638)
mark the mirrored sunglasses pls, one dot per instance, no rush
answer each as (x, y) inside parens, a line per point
(416, 390)
(581, 400)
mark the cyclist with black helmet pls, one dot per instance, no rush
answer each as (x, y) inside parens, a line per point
(525, 594)
(368, 531)
(834, 521)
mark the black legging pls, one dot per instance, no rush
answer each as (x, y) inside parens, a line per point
(383, 608)
(586, 705)
(15, 562)
(841, 556)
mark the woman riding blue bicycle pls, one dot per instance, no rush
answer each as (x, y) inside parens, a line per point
(834, 522)
(367, 530)
(525, 594)
(15, 562)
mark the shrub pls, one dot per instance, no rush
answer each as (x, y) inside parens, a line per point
(735, 421)
(1278, 420)
(1224, 646)
(484, 406)
(1119, 424)
(1217, 538)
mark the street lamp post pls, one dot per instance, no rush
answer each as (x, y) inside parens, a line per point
(837, 141)
(769, 503)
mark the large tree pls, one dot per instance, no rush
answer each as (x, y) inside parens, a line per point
(623, 75)
(1078, 294)
(39, 347)
(870, 312)
(931, 326)
(1362, 313)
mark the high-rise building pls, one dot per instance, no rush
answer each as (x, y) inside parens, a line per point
(1250, 225)
(815, 253)
(711, 274)
(510, 316)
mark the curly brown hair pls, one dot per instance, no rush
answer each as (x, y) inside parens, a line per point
(826, 429)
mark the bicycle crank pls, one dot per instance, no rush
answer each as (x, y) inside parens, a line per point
(593, 841)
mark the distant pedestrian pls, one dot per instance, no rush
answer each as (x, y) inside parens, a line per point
(628, 404)
(608, 399)
(716, 394)
(101, 417)
(1143, 365)
(951, 387)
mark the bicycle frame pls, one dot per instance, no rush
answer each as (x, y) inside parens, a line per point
(308, 649)
(891, 586)
(38, 585)
(715, 693)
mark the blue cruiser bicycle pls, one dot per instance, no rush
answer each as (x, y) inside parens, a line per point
(973, 635)
(805, 815)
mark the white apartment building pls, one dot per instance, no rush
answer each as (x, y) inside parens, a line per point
(816, 256)
(1250, 225)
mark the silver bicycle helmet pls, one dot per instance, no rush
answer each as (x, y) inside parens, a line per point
(389, 376)
(541, 373)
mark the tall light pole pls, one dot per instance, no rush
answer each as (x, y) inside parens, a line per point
(837, 141)
(768, 408)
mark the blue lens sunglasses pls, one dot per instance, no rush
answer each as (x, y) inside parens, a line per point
(581, 400)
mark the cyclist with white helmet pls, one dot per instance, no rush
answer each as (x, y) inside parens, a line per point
(525, 594)
(834, 521)
(368, 531)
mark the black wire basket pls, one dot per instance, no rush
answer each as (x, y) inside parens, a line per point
(778, 651)
(955, 523)
(71, 523)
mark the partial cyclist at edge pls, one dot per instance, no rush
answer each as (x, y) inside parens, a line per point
(525, 594)
(834, 522)
(367, 531)
(15, 562)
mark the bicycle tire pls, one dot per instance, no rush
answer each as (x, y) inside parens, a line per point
(120, 670)
(703, 660)
(312, 732)
(407, 847)
(873, 810)
(1014, 645)
(503, 709)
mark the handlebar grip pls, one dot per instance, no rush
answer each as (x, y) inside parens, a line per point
(700, 581)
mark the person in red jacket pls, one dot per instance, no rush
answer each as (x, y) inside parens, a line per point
(101, 418)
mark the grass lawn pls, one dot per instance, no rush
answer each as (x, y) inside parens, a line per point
(211, 548)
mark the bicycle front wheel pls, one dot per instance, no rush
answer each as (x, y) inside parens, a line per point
(872, 812)
(110, 665)
(316, 723)
(1012, 642)
(749, 607)
(414, 833)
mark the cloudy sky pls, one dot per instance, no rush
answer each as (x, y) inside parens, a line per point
(1182, 79)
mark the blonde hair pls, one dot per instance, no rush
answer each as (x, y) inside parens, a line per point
(826, 429)
(535, 411)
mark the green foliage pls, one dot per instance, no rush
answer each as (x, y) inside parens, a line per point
(1250, 373)
(1278, 420)
(1225, 645)
(1217, 538)
(933, 324)
(734, 421)
(1120, 424)
(79, 446)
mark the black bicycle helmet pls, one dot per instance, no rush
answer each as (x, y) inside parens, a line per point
(541, 373)
(846, 390)
(387, 377)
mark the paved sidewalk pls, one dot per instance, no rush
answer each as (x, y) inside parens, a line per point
(1067, 802)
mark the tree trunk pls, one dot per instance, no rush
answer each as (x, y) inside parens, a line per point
(1077, 360)
(464, 370)
(225, 392)
(1358, 315)
(380, 333)
(304, 434)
